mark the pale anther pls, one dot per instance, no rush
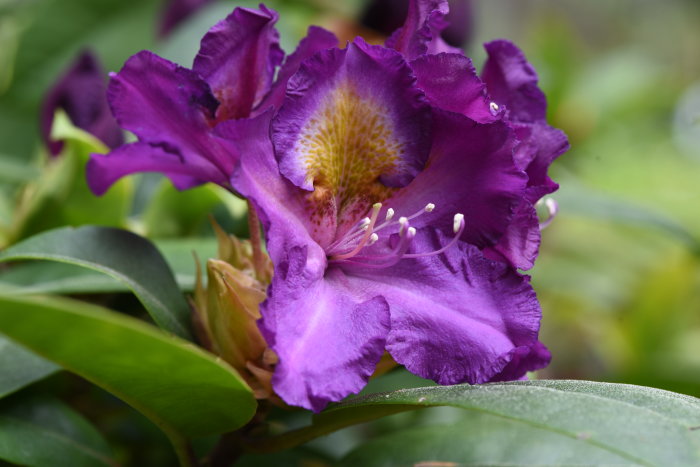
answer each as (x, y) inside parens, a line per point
(494, 107)
(373, 239)
(429, 207)
(458, 221)
(411, 231)
(389, 214)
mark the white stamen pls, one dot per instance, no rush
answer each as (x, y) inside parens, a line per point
(403, 222)
(350, 248)
(494, 107)
(458, 222)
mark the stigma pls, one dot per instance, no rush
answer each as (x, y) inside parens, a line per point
(351, 248)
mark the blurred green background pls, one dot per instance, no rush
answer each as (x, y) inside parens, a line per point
(619, 269)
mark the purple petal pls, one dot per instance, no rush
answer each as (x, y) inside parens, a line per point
(545, 145)
(329, 335)
(520, 243)
(470, 171)
(455, 317)
(524, 359)
(282, 206)
(512, 82)
(81, 93)
(104, 169)
(358, 108)
(316, 39)
(420, 33)
(451, 83)
(177, 11)
(238, 57)
(163, 103)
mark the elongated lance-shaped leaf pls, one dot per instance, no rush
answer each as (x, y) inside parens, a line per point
(614, 422)
(180, 387)
(40, 277)
(124, 256)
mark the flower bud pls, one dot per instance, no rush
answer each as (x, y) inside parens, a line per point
(227, 310)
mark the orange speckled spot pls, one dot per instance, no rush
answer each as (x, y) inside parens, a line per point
(345, 148)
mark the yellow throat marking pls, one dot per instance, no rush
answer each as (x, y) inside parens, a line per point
(346, 147)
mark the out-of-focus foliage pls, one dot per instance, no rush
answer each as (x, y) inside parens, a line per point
(619, 269)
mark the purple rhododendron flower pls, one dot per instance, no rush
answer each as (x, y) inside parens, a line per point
(388, 170)
(80, 92)
(396, 189)
(175, 111)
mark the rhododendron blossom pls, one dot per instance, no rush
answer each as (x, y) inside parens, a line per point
(395, 186)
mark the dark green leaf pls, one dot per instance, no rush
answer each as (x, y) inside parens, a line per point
(42, 277)
(45, 432)
(478, 439)
(121, 254)
(614, 422)
(181, 388)
(19, 367)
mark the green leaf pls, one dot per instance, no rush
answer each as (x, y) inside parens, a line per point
(19, 367)
(183, 389)
(45, 432)
(120, 254)
(618, 423)
(479, 439)
(43, 277)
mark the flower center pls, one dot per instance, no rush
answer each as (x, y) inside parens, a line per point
(347, 146)
(352, 248)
